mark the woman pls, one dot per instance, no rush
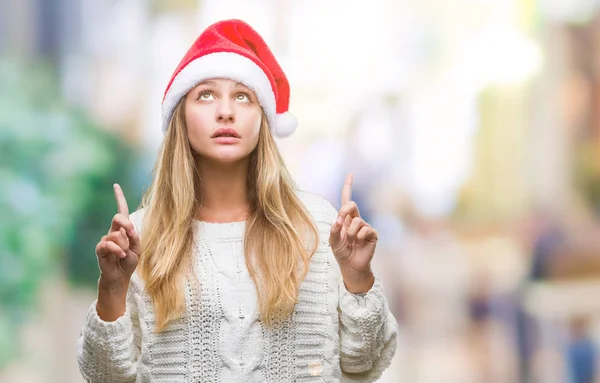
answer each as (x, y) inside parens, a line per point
(227, 273)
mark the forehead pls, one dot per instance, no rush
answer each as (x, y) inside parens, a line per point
(223, 82)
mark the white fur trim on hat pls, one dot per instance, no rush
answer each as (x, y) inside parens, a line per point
(226, 65)
(285, 125)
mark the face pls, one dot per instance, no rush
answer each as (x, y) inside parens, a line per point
(223, 120)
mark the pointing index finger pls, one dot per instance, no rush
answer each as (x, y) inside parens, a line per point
(121, 201)
(347, 190)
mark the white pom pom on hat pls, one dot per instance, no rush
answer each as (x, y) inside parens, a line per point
(285, 125)
(232, 49)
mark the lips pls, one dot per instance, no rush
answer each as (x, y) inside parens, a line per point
(225, 132)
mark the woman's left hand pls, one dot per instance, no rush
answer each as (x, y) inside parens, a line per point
(353, 243)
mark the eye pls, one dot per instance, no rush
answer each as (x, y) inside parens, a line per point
(205, 95)
(242, 97)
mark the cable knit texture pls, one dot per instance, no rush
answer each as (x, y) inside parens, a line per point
(333, 335)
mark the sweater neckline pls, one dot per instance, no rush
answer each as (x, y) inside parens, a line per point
(220, 230)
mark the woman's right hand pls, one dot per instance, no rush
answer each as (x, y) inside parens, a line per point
(118, 251)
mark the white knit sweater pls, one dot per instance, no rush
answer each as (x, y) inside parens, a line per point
(333, 335)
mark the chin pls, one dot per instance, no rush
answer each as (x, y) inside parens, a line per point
(226, 157)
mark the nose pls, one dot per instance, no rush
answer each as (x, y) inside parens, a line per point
(225, 112)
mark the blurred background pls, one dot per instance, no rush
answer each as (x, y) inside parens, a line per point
(472, 127)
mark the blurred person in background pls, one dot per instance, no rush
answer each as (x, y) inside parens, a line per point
(582, 353)
(227, 272)
(563, 273)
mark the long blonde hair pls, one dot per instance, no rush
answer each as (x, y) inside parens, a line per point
(280, 237)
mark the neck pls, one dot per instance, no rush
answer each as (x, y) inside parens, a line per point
(224, 191)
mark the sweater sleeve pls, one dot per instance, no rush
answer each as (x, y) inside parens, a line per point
(108, 351)
(368, 333)
(367, 328)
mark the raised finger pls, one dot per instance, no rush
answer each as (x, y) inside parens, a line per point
(347, 189)
(121, 201)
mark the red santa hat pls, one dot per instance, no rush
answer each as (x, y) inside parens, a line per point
(232, 49)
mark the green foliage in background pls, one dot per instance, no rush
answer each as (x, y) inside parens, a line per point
(57, 168)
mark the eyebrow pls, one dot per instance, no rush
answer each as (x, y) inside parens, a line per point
(236, 86)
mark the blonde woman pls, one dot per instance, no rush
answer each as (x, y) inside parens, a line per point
(227, 273)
